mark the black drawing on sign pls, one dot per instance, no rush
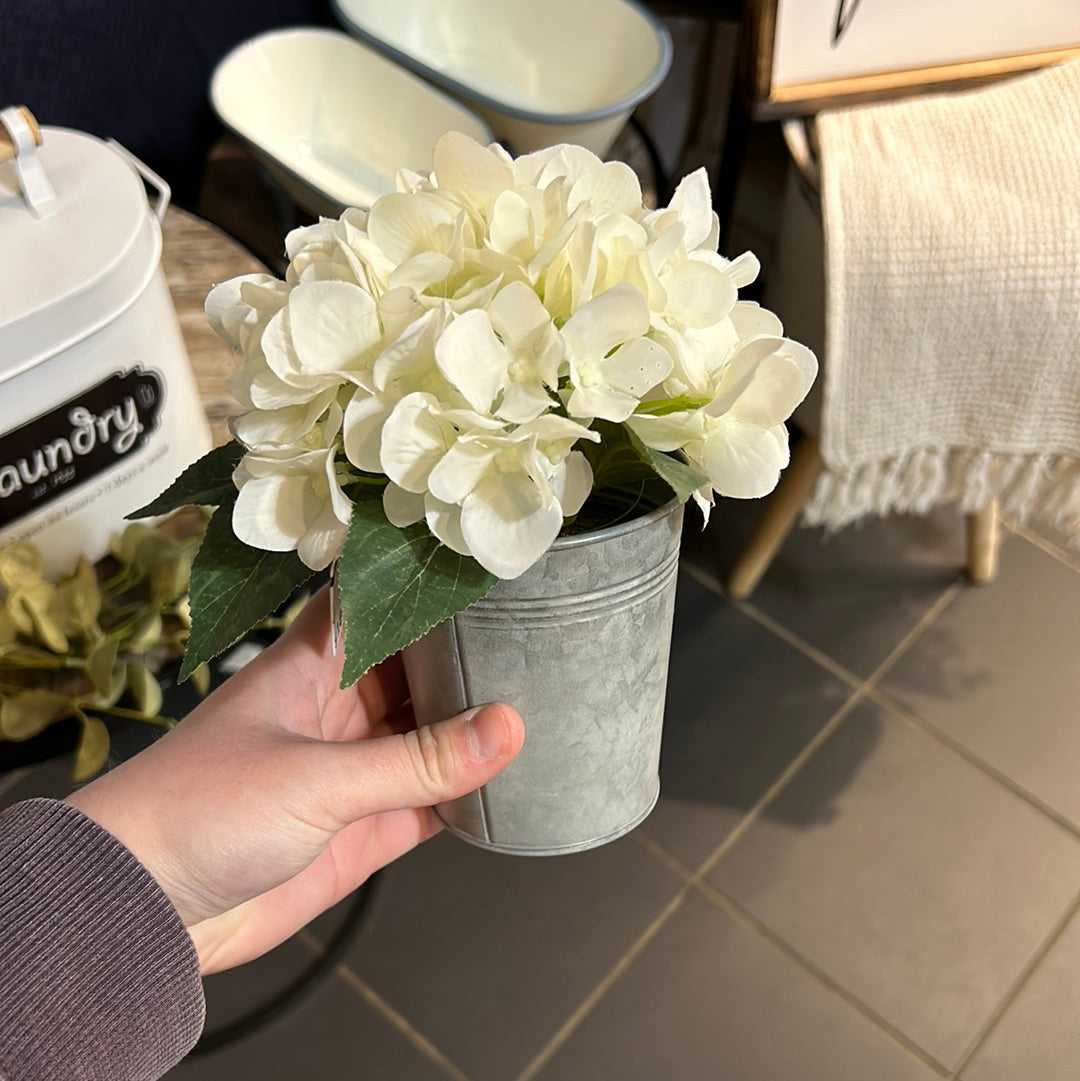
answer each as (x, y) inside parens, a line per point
(845, 12)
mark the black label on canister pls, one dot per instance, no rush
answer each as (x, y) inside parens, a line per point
(61, 449)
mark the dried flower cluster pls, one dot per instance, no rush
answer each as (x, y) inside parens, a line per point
(81, 646)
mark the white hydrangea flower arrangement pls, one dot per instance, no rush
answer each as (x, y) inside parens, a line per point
(442, 381)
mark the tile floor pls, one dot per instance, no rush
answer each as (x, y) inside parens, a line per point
(865, 862)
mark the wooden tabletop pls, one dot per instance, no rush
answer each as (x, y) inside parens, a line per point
(196, 256)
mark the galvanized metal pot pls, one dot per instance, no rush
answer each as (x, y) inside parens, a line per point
(579, 646)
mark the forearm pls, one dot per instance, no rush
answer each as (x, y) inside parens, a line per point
(98, 977)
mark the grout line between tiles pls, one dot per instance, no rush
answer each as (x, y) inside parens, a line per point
(726, 904)
(587, 1005)
(418, 1040)
(661, 854)
(1018, 986)
(774, 790)
(804, 647)
(947, 597)
(1048, 546)
(703, 578)
(1014, 787)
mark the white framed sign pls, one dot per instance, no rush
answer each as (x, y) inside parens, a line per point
(808, 54)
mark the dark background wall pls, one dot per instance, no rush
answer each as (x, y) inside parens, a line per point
(135, 70)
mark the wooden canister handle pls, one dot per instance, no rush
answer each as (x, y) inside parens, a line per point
(7, 147)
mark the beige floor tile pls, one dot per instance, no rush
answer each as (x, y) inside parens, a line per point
(925, 895)
(1039, 1035)
(1000, 673)
(710, 999)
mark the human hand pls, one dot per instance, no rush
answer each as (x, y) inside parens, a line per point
(281, 793)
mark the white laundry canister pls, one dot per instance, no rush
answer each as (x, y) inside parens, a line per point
(99, 410)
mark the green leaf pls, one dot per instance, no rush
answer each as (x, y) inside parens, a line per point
(616, 462)
(234, 587)
(207, 482)
(93, 748)
(396, 584)
(681, 478)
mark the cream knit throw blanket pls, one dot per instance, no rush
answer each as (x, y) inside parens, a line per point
(952, 369)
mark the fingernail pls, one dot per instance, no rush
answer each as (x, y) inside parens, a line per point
(487, 732)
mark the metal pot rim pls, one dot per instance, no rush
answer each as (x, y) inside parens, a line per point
(620, 529)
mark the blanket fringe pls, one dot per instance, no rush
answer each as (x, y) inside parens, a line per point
(1028, 487)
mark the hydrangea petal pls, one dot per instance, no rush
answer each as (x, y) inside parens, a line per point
(339, 505)
(364, 418)
(332, 324)
(523, 402)
(269, 512)
(552, 427)
(601, 403)
(606, 321)
(402, 508)
(751, 320)
(398, 310)
(510, 229)
(460, 470)
(280, 427)
(670, 432)
(421, 271)
(779, 384)
(323, 541)
(473, 359)
(637, 367)
(744, 461)
(613, 188)
(506, 525)
(266, 391)
(462, 163)
(692, 202)
(225, 309)
(413, 440)
(444, 521)
(698, 294)
(744, 269)
(564, 161)
(703, 497)
(573, 482)
(402, 225)
(517, 313)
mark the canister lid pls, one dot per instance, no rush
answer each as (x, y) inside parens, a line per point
(77, 266)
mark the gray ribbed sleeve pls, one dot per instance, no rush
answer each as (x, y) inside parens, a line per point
(99, 980)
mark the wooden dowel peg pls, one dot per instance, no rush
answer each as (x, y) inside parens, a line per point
(8, 149)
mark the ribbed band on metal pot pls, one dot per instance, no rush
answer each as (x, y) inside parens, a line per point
(579, 645)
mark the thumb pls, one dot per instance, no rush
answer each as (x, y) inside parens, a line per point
(427, 765)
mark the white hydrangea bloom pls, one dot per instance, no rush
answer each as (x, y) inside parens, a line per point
(461, 336)
(497, 493)
(738, 438)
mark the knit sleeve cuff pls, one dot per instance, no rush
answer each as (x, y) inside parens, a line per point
(99, 978)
